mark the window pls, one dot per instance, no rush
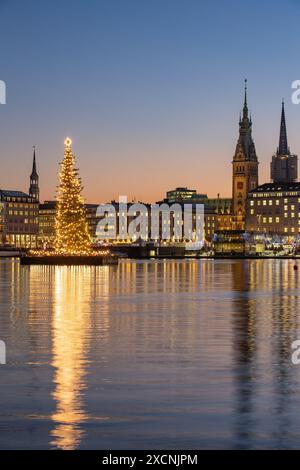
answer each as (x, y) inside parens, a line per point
(278, 220)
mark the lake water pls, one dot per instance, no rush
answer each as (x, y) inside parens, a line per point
(150, 355)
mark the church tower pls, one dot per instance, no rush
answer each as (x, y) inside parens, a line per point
(34, 191)
(284, 165)
(244, 167)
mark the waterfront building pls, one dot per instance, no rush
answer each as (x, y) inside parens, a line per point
(18, 219)
(47, 212)
(19, 214)
(274, 209)
(217, 216)
(217, 211)
(161, 227)
(231, 242)
(92, 220)
(284, 165)
(244, 167)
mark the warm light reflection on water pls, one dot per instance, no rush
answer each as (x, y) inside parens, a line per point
(70, 331)
(158, 354)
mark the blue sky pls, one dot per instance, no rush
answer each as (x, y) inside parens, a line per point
(149, 91)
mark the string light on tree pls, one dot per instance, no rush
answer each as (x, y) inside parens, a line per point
(71, 227)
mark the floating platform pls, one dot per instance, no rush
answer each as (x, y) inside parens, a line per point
(70, 260)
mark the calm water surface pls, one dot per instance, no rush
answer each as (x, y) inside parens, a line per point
(158, 354)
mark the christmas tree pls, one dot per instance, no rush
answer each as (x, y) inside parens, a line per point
(71, 228)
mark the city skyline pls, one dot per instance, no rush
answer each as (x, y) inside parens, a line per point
(183, 185)
(148, 110)
(149, 228)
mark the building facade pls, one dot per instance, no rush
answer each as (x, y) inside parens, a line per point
(217, 211)
(47, 211)
(18, 219)
(274, 209)
(19, 214)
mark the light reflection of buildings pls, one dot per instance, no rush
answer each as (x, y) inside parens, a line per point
(264, 325)
(216, 333)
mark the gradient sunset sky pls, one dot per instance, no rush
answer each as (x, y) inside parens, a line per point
(149, 90)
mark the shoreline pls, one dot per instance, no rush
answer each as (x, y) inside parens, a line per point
(49, 261)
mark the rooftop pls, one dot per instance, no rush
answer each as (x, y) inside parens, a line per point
(9, 193)
(269, 187)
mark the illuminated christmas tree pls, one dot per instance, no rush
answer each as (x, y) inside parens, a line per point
(71, 228)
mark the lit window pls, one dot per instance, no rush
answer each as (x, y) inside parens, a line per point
(251, 203)
(277, 202)
(278, 220)
(270, 202)
(285, 229)
(270, 220)
(264, 203)
(251, 211)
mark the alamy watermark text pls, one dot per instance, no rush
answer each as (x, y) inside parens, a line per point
(2, 92)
